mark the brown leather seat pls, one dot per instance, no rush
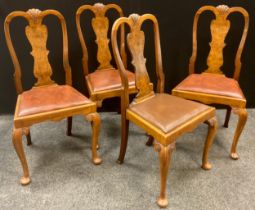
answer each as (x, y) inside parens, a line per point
(211, 84)
(108, 79)
(44, 99)
(166, 111)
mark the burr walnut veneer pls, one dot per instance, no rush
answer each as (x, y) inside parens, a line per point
(162, 116)
(212, 86)
(46, 100)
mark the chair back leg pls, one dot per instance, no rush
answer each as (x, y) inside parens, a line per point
(69, 126)
(228, 114)
(124, 139)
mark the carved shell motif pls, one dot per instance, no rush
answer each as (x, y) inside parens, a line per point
(223, 8)
(99, 6)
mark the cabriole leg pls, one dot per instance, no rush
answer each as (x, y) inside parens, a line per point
(17, 142)
(212, 128)
(95, 120)
(165, 153)
(242, 113)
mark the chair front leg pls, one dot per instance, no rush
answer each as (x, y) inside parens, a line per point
(69, 126)
(165, 153)
(212, 128)
(242, 113)
(17, 142)
(95, 120)
(28, 135)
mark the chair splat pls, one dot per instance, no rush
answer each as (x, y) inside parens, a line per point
(135, 41)
(219, 30)
(100, 25)
(37, 34)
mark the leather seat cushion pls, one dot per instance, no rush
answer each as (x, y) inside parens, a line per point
(211, 84)
(108, 79)
(49, 98)
(167, 112)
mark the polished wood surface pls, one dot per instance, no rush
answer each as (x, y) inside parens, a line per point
(37, 33)
(164, 141)
(219, 29)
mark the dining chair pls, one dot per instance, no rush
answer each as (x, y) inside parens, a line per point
(46, 101)
(161, 115)
(212, 86)
(104, 82)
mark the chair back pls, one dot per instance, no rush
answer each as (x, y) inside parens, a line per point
(37, 35)
(219, 29)
(136, 41)
(100, 25)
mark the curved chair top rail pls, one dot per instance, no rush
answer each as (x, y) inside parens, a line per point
(219, 29)
(37, 35)
(100, 25)
(136, 41)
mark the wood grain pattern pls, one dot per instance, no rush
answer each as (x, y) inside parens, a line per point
(135, 41)
(164, 142)
(219, 29)
(100, 25)
(37, 35)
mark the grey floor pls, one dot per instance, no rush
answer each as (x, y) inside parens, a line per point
(63, 176)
